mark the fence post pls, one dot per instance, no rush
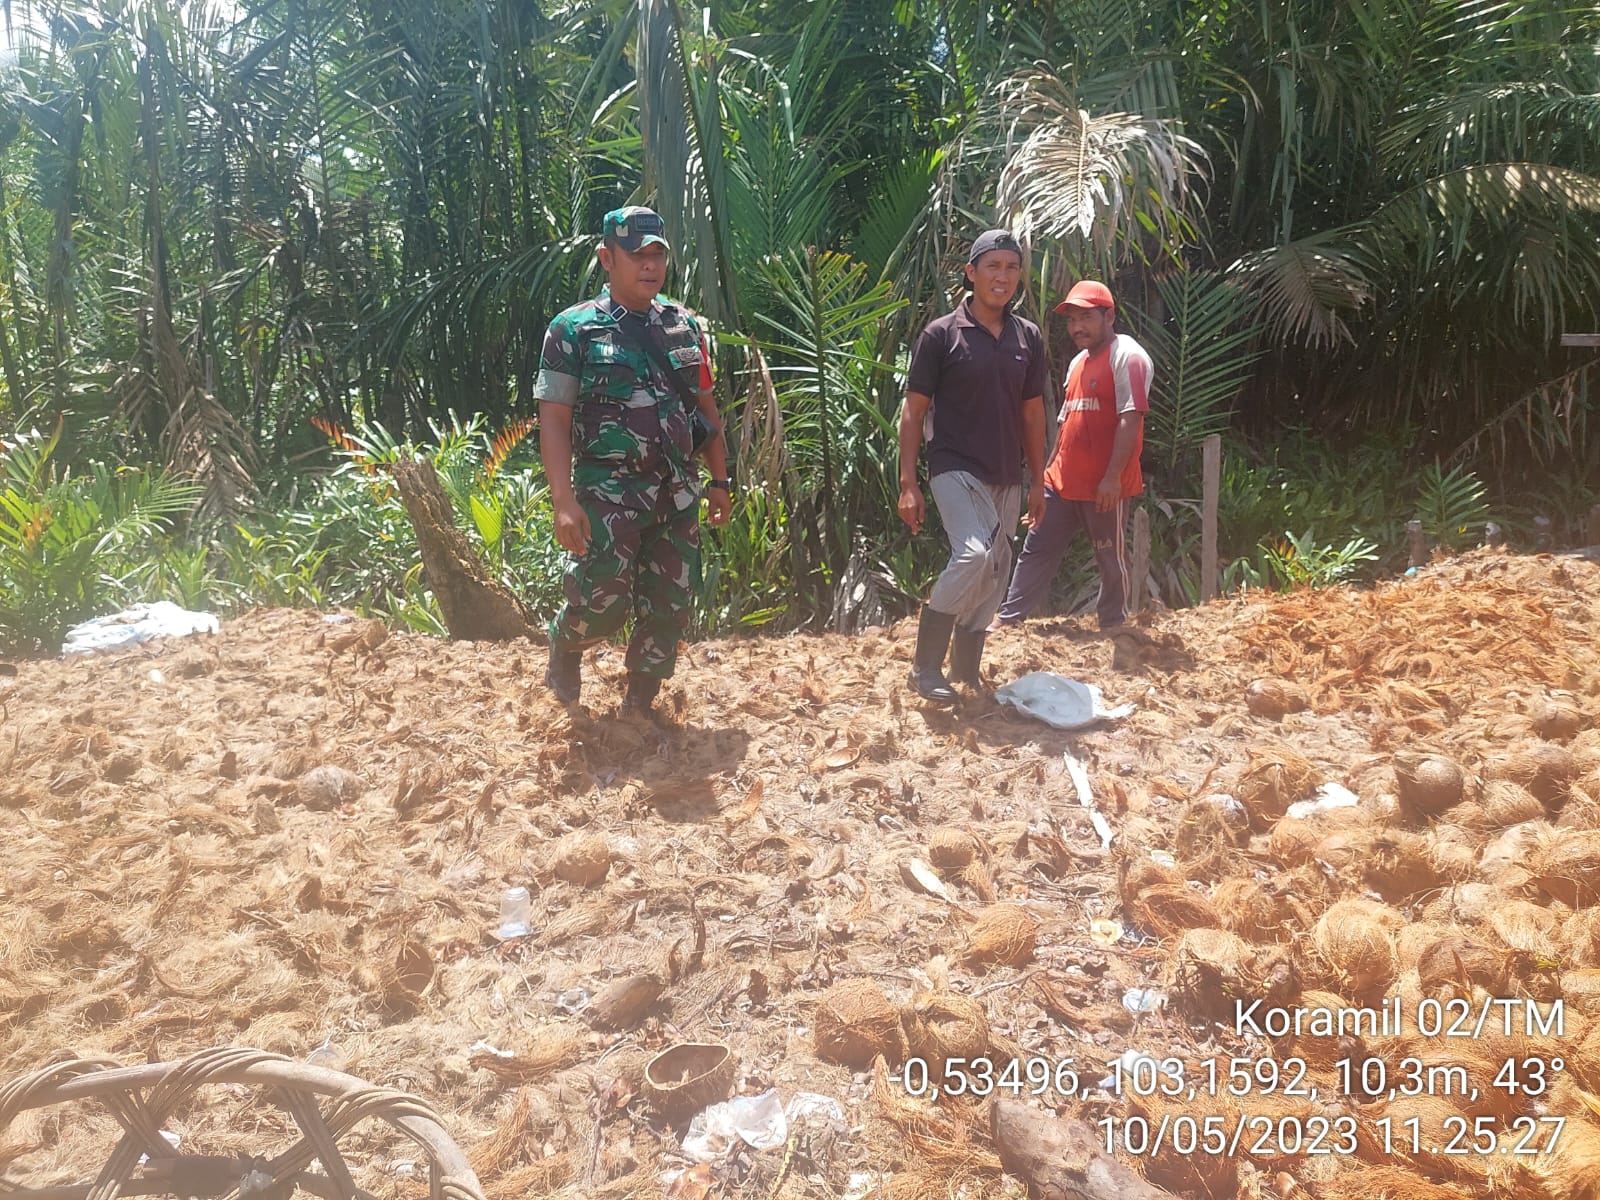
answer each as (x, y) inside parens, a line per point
(1141, 559)
(1211, 484)
(1417, 542)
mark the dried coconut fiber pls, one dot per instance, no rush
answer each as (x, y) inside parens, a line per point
(1352, 941)
(1452, 852)
(1257, 913)
(946, 1026)
(1544, 768)
(1580, 989)
(1275, 779)
(1209, 972)
(1169, 909)
(1567, 867)
(1580, 937)
(1458, 962)
(855, 1023)
(1506, 803)
(1004, 935)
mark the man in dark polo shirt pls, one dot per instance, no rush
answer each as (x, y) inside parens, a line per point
(980, 369)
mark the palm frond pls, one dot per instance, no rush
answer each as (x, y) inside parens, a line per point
(1203, 358)
(1092, 177)
(1308, 288)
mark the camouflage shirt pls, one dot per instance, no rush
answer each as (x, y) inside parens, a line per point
(630, 428)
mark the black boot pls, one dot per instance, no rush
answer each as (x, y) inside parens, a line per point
(642, 692)
(966, 655)
(927, 669)
(564, 675)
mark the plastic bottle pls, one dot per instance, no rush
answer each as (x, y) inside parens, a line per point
(516, 910)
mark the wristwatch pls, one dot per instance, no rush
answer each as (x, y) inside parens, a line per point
(725, 485)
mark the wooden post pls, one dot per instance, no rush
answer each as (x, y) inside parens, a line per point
(1594, 527)
(1417, 542)
(1211, 484)
(1062, 1159)
(476, 607)
(1141, 559)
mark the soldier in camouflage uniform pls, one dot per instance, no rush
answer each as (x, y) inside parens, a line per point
(616, 442)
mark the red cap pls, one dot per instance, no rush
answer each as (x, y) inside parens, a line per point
(1087, 293)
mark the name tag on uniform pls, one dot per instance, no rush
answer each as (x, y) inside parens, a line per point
(605, 350)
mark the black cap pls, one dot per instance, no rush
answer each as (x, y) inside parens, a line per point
(994, 239)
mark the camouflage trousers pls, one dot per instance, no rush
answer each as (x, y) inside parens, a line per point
(640, 563)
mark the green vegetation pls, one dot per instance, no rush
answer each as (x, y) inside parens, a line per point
(249, 254)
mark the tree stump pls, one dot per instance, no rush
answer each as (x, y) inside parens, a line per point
(1062, 1160)
(476, 607)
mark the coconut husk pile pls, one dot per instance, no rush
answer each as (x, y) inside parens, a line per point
(263, 839)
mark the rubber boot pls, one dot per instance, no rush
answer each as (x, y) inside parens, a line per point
(966, 656)
(927, 668)
(564, 675)
(642, 692)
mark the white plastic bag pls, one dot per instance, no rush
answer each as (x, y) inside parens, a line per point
(136, 625)
(1059, 701)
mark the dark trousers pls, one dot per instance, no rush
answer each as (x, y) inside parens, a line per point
(1047, 542)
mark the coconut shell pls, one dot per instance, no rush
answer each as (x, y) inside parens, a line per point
(1528, 928)
(1567, 868)
(1294, 840)
(1452, 851)
(623, 1002)
(687, 1077)
(1412, 938)
(1464, 903)
(1365, 1182)
(1316, 1050)
(1180, 1174)
(1580, 938)
(1275, 779)
(1256, 912)
(1544, 768)
(1168, 910)
(1398, 865)
(1458, 962)
(1275, 698)
(1557, 720)
(1582, 808)
(854, 1023)
(1515, 847)
(1505, 803)
(946, 1026)
(1353, 943)
(328, 787)
(1428, 784)
(1210, 970)
(581, 858)
(950, 849)
(1580, 990)
(1137, 872)
(1573, 1166)
(1004, 935)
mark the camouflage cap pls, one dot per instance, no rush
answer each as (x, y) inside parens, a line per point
(634, 228)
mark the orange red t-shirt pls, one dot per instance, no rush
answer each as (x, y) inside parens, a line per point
(1100, 388)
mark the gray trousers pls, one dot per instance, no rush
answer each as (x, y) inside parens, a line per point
(979, 519)
(1047, 543)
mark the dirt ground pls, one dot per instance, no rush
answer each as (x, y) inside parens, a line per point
(185, 870)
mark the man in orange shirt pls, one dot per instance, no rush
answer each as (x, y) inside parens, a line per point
(1095, 468)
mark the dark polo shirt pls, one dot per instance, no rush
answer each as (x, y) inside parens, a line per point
(978, 383)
